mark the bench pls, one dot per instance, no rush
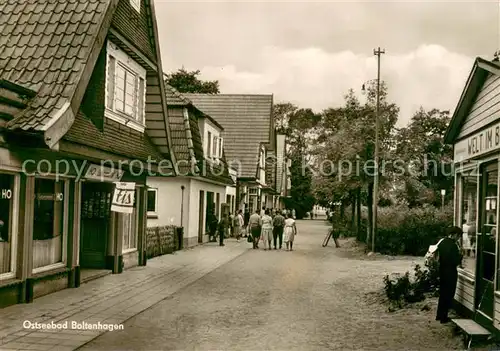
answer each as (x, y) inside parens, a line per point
(471, 329)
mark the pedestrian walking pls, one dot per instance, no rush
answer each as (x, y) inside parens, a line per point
(212, 226)
(246, 219)
(223, 226)
(231, 224)
(238, 225)
(293, 213)
(290, 232)
(267, 229)
(254, 227)
(449, 259)
(278, 226)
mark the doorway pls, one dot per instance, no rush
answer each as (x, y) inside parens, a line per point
(95, 222)
(486, 238)
(201, 213)
(210, 209)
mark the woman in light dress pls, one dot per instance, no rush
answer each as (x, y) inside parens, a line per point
(267, 230)
(290, 232)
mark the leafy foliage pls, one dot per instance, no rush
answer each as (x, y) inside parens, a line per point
(404, 289)
(410, 231)
(188, 82)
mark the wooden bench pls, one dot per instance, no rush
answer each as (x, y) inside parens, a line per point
(471, 329)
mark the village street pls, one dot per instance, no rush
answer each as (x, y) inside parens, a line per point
(235, 298)
(309, 299)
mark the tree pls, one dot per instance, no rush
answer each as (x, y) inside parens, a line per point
(298, 124)
(188, 82)
(420, 146)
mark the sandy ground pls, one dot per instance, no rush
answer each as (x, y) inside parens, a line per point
(313, 298)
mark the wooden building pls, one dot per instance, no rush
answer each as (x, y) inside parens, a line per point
(475, 133)
(82, 106)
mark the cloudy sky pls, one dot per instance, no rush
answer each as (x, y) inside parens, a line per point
(311, 53)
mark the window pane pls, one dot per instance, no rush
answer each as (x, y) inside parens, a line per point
(49, 222)
(120, 88)
(469, 208)
(6, 208)
(214, 151)
(209, 144)
(129, 227)
(151, 201)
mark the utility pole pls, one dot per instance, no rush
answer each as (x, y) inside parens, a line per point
(376, 52)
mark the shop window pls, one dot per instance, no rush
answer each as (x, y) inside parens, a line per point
(152, 202)
(129, 228)
(6, 222)
(48, 228)
(468, 215)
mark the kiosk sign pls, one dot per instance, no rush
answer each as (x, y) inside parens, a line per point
(123, 198)
(477, 144)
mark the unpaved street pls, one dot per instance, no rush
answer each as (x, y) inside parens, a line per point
(313, 298)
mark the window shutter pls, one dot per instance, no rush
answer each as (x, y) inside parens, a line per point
(111, 82)
(140, 101)
(221, 144)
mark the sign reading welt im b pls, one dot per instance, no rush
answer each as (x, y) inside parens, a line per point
(477, 144)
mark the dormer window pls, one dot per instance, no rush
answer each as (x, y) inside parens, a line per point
(213, 144)
(125, 89)
(136, 4)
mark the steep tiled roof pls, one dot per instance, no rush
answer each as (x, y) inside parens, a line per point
(114, 138)
(186, 139)
(45, 46)
(247, 121)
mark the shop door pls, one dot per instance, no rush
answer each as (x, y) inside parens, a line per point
(95, 218)
(487, 240)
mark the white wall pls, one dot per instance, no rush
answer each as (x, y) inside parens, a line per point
(194, 201)
(169, 201)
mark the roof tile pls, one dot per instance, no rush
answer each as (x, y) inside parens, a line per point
(247, 121)
(59, 31)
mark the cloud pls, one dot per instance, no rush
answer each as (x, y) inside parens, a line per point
(430, 76)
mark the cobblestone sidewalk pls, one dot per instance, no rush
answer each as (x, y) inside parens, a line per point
(112, 299)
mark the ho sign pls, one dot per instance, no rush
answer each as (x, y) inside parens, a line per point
(6, 194)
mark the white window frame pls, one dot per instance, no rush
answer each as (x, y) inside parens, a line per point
(13, 227)
(65, 229)
(126, 62)
(136, 4)
(155, 212)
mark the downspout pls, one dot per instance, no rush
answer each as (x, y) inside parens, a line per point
(182, 204)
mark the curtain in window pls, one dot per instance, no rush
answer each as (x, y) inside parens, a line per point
(49, 222)
(129, 226)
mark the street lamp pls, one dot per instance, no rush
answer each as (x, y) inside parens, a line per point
(443, 193)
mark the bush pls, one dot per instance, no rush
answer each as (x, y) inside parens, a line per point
(403, 290)
(402, 230)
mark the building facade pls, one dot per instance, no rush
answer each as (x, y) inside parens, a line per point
(250, 144)
(203, 183)
(82, 107)
(474, 132)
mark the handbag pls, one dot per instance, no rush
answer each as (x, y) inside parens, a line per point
(249, 239)
(431, 253)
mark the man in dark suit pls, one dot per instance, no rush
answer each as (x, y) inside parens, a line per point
(449, 259)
